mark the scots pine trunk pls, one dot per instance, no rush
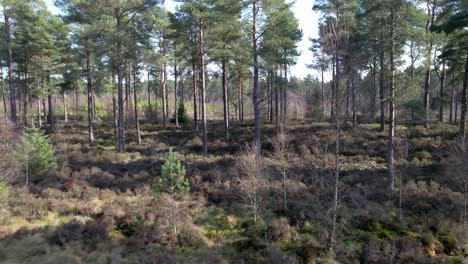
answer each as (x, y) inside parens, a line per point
(464, 100)
(442, 90)
(5, 109)
(195, 93)
(353, 95)
(255, 91)
(374, 89)
(50, 104)
(176, 117)
(225, 101)
(391, 97)
(203, 84)
(382, 85)
(135, 104)
(26, 90)
(65, 107)
(120, 99)
(89, 84)
(451, 100)
(150, 109)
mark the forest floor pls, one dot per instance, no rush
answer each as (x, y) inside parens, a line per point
(96, 205)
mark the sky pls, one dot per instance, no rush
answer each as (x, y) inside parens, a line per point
(308, 22)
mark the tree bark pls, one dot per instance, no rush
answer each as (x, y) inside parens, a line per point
(121, 128)
(277, 106)
(51, 108)
(181, 85)
(65, 108)
(176, 116)
(332, 110)
(285, 94)
(441, 95)
(89, 85)
(39, 112)
(195, 93)
(451, 99)
(353, 95)
(427, 82)
(135, 104)
(225, 101)
(374, 89)
(241, 102)
(382, 86)
(203, 84)
(26, 90)
(322, 89)
(464, 100)
(5, 109)
(255, 92)
(391, 95)
(150, 110)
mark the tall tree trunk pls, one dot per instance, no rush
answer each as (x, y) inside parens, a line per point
(382, 88)
(150, 109)
(195, 93)
(374, 89)
(332, 110)
(270, 96)
(163, 96)
(11, 81)
(26, 90)
(155, 87)
(166, 94)
(90, 88)
(5, 109)
(164, 86)
(336, 87)
(225, 101)
(181, 85)
(441, 95)
(77, 110)
(51, 108)
(45, 110)
(115, 114)
(353, 95)
(135, 104)
(277, 106)
(464, 100)
(19, 98)
(241, 108)
(121, 128)
(457, 94)
(39, 112)
(285, 94)
(451, 99)
(65, 108)
(128, 99)
(347, 97)
(322, 88)
(391, 95)
(427, 82)
(203, 84)
(431, 7)
(176, 116)
(255, 91)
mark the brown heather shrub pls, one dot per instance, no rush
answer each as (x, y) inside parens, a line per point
(278, 230)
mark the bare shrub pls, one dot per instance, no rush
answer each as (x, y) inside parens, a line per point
(281, 159)
(253, 184)
(457, 172)
(10, 165)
